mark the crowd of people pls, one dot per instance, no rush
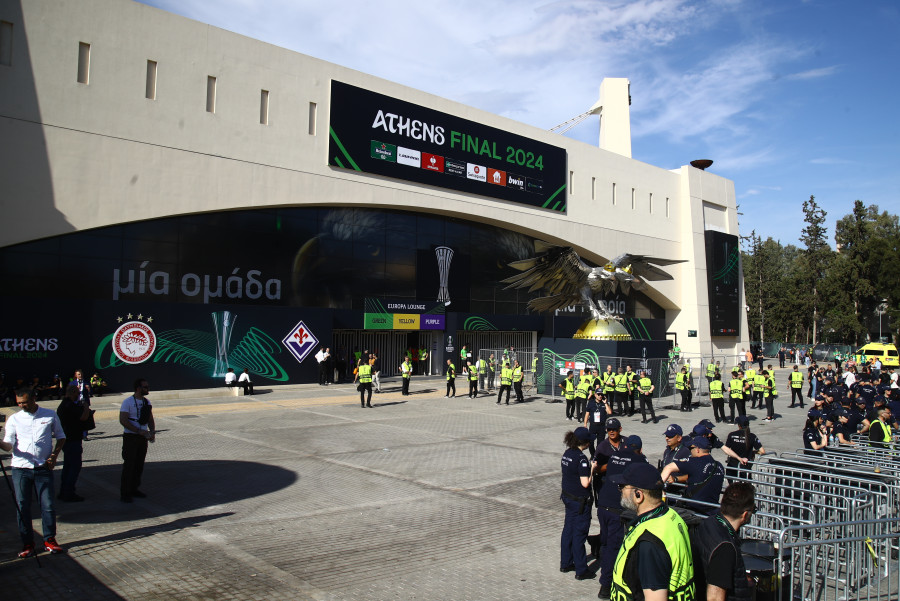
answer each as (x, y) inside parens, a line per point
(36, 436)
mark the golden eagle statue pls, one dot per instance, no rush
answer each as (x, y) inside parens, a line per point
(570, 281)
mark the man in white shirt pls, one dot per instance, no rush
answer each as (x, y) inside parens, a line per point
(136, 416)
(245, 383)
(230, 377)
(29, 436)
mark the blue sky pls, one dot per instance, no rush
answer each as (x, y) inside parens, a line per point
(788, 97)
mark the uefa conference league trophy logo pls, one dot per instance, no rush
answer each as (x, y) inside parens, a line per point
(444, 256)
(223, 323)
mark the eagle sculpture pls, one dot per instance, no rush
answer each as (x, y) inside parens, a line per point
(570, 281)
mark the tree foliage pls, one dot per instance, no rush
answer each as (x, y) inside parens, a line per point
(816, 294)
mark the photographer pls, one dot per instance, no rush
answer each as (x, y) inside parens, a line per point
(136, 416)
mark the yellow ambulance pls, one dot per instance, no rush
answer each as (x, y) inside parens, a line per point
(886, 352)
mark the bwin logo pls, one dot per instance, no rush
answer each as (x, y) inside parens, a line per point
(515, 181)
(497, 177)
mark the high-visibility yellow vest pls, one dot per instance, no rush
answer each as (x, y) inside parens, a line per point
(621, 383)
(716, 389)
(473, 375)
(609, 382)
(517, 374)
(711, 370)
(796, 379)
(451, 372)
(581, 391)
(482, 366)
(771, 391)
(505, 376)
(750, 374)
(680, 381)
(406, 369)
(736, 388)
(667, 526)
(365, 373)
(646, 385)
(759, 383)
(570, 389)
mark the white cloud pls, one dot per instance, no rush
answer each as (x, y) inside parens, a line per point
(830, 161)
(814, 73)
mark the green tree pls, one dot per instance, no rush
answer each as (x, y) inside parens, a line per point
(815, 258)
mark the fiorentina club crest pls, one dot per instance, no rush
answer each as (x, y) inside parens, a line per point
(300, 342)
(134, 341)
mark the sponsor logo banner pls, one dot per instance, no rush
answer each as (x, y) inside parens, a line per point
(454, 167)
(476, 172)
(406, 321)
(408, 156)
(383, 151)
(535, 186)
(495, 176)
(432, 322)
(300, 341)
(515, 181)
(432, 162)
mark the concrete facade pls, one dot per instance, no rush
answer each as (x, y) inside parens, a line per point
(78, 156)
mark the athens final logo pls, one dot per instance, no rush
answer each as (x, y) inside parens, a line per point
(134, 342)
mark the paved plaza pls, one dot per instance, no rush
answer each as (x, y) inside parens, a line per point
(298, 493)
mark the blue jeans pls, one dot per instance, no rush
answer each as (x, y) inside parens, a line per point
(72, 450)
(24, 480)
(574, 535)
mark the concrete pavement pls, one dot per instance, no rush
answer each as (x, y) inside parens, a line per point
(298, 493)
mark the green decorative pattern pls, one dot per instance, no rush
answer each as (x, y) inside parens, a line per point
(337, 159)
(556, 206)
(636, 328)
(549, 359)
(197, 350)
(478, 324)
(729, 273)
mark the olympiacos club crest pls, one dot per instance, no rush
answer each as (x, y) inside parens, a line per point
(134, 342)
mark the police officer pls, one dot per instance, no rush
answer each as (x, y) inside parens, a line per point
(364, 375)
(473, 380)
(645, 387)
(406, 373)
(576, 496)
(717, 397)
(451, 379)
(675, 448)
(702, 474)
(654, 561)
(518, 374)
(609, 509)
(595, 415)
(719, 572)
(795, 382)
(815, 435)
(505, 382)
(745, 445)
(568, 390)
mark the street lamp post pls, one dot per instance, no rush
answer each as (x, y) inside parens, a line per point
(882, 308)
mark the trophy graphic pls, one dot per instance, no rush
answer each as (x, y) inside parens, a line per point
(444, 256)
(223, 323)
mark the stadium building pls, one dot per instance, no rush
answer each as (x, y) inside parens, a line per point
(178, 199)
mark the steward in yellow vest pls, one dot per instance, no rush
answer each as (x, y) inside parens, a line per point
(364, 375)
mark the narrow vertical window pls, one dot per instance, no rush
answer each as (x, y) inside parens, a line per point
(632, 199)
(571, 182)
(264, 107)
(593, 188)
(150, 91)
(312, 118)
(650, 203)
(210, 94)
(6, 33)
(84, 62)
(614, 194)
(667, 207)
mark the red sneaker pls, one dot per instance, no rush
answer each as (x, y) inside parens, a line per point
(27, 551)
(51, 546)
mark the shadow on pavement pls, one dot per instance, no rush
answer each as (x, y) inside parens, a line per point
(176, 487)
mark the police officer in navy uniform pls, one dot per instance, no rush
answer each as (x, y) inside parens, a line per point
(595, 414)
(577, 474)
(703, 475)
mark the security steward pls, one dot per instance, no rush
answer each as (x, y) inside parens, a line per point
(505, 382)
(576, 496)
(632, 389)
(682, 385)
(796, 385)
(717, 397)
(473, 380)
(609, 508)
(492, 371)
(451, 379)
(568, 390)
(621, 389)
(518, 374)
(719, 571)
(646, 388)
(711, 370)
(482, 373)
(655, 561)
(736, 395)
(759, 389)
(406, 372)
(364, 375)
(609, 384)
(581, 396)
